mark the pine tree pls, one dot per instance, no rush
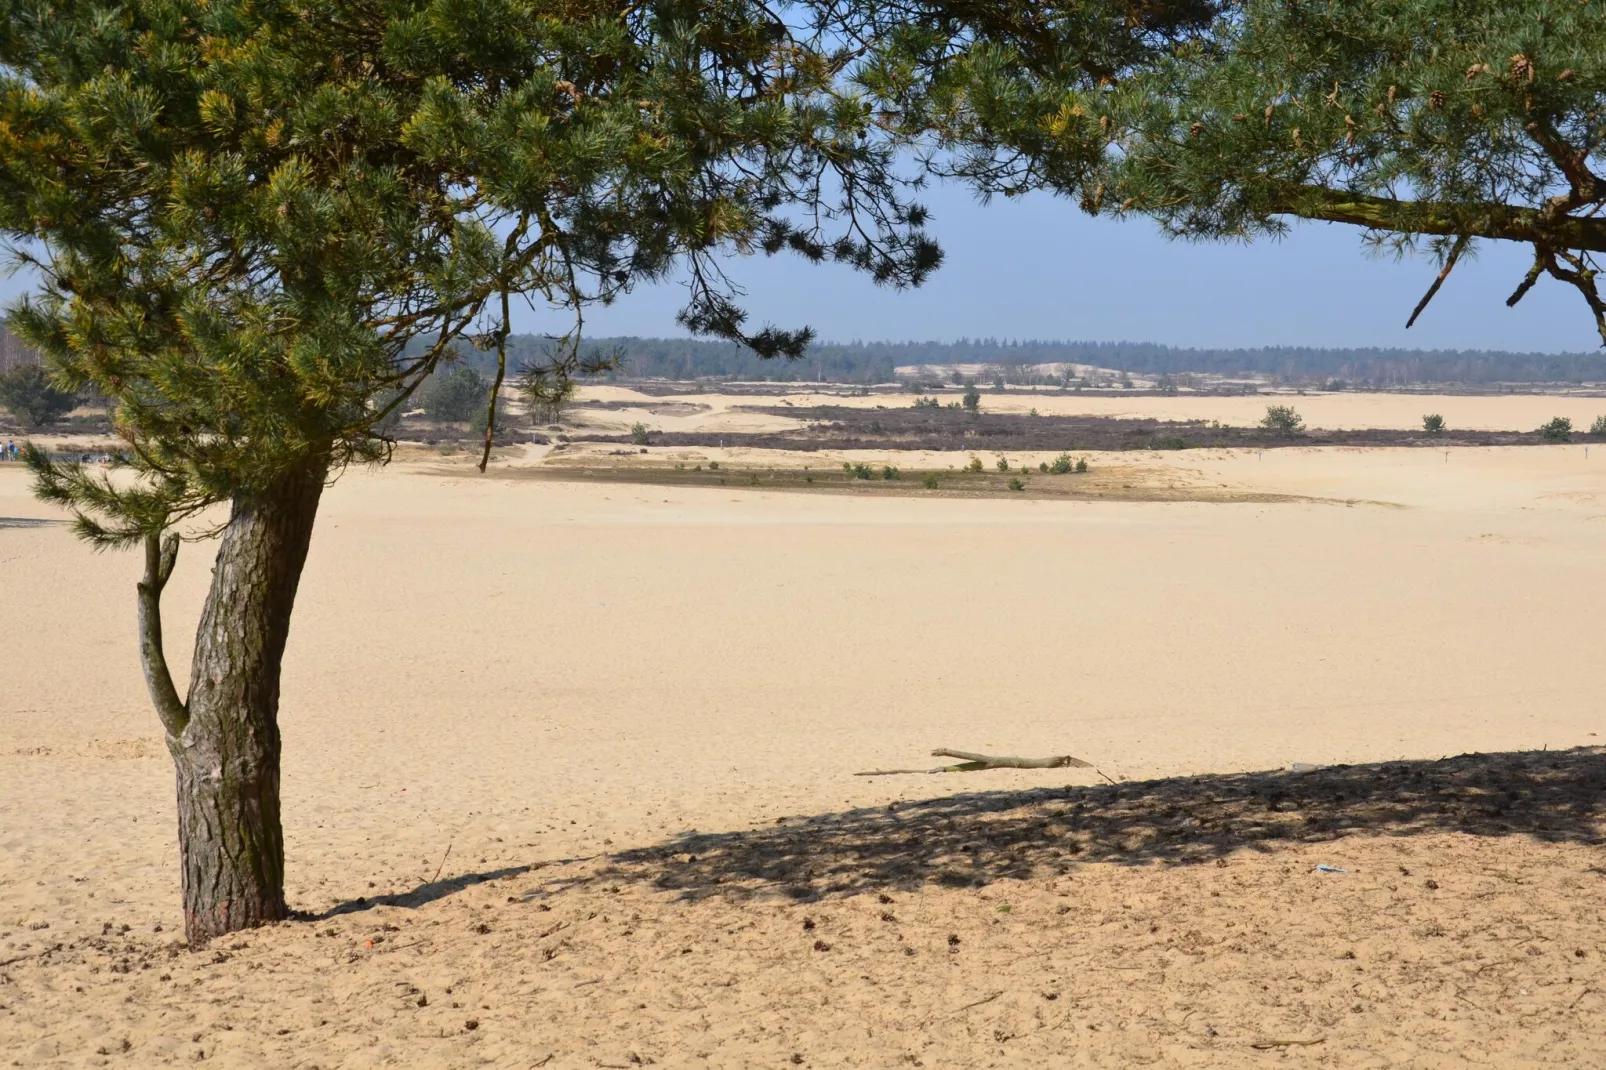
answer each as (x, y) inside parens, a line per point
(1427, 123)
(261, 225)
(1439, 122)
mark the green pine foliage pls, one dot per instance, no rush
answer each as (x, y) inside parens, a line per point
(1427, 123)
(262, 225)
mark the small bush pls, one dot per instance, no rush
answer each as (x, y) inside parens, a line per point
(972, 400)
(454, 396)
(860, 471)
(1282, 420)
(1171, 442)
(889, 472)
(482, 415)
(1062, 464)
(1016, 484)
(1003, 464)
(1599, 426)
(927, 403)
(974, 465)
(26, 391)
(1559, 429)
(713, 466)
(1042, 466)
(929, 482)
(1081, 464)
(1433, 424)
(639, 433)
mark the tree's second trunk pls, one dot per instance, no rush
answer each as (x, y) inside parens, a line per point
(231, 843)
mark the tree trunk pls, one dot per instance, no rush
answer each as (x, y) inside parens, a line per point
(231, 843)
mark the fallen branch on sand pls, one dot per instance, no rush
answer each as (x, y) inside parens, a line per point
(975, 762)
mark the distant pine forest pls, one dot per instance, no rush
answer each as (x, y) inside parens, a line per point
(875, 362)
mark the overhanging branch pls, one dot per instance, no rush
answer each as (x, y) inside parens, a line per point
(1501, 222)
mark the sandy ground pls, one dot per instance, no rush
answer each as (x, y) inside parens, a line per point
(1334, 411)
(620, 723)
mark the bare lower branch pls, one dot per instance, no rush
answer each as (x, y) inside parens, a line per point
(1444, 273)
(1528, 280)
(496, 387)
(160, 557)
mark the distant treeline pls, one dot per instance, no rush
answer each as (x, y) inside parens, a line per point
(874, 362)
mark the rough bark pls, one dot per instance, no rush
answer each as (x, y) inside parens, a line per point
(231, 843)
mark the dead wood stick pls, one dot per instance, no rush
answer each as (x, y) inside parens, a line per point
(984, 761)
(976, 762)
(1266, 1045)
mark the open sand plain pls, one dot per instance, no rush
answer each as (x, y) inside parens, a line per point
(569, 777)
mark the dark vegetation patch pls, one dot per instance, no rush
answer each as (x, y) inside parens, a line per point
(907, 427)
(1101, 483)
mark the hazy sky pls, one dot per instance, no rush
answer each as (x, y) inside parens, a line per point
(1038, 268)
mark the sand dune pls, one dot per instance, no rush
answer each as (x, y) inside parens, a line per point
(555, 680)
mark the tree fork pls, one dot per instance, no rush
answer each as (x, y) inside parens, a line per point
(227, 752)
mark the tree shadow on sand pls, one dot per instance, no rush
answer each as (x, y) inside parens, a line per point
(972, 839)
(424, 893)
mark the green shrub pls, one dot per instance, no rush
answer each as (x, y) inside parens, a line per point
(927, 403)
(1599, 426)
(974, 465)
(1062, 464)
(1081, 464)
(1433, 424)
(713, 466)
(929, 481)
(1559, 429)
(1003, 464)
(476, 423)
(861, 471)
(889, 472)
(639, 433)
(1171, 442)
(1282, 420)
(1016, 484)
(455, 395)
(27, 392)
(972, 400)
(1042, 466)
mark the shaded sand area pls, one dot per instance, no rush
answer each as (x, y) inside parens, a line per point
(568, 778)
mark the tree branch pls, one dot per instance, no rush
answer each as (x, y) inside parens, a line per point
(160, 557)
(1449, 263)
(1488, 220)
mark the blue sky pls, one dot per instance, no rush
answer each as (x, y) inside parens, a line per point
(1039, 268)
